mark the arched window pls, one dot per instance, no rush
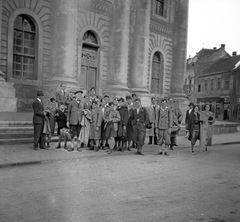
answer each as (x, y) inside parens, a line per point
(24, 48)
(157, 73)
(89, 37)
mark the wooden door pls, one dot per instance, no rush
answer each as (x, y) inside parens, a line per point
(89, 67)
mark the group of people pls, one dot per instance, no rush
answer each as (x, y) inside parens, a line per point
(115, 125)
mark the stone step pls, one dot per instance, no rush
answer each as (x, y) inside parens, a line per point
(14, 116)
(25, 140)
(20, 130)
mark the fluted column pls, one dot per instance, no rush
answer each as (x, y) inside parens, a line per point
(117, 82)
(179, 46)
(180, 53)
(139, 53)
(64, 20)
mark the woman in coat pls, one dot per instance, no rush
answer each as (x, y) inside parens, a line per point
(122, 126)
(208, 119)
(95, 128)
(193, 127)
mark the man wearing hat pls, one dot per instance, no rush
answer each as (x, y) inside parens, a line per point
(191, 105)
(38, 121)
(74, 118)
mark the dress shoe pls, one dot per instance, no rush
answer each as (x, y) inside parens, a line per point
(58, 146)
(140, 153)
(79, 149)
(70, 150)
(175, 144)
(159, 153)
(166, 154)
(44, 147)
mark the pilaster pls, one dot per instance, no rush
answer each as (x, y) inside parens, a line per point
(64, 18)
(140, 48)
(117, 83)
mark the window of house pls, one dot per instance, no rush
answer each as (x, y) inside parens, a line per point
(190, 85)
(206, 85)
(157, 73)
(212, 84)
(218, 83)
(238, 82)
(160, 7)
(199, 88)
(227, 82)
(24, 52)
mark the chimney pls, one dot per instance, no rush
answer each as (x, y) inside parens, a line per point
(234, 53)
(214, 47)
(223, 46)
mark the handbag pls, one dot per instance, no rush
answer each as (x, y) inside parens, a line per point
(149, 125)
(175, 129)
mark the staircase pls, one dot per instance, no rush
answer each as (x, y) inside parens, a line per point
(16, 132)
(17, 128)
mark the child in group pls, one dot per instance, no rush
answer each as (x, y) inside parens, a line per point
(95, 130)
(111, 119)
(61, 117)
(66, 135)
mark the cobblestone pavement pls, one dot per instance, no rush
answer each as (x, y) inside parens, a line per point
(124, 187)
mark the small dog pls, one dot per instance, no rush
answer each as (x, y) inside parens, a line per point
(66, 135)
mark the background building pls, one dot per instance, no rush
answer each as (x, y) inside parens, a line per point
(118, 46)
(212, 77)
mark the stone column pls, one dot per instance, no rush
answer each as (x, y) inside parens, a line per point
(64, 23)
(0, 28)
(140, 50)
(179, 53)
(117, 82)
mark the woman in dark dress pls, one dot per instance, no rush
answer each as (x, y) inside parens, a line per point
(193, 127)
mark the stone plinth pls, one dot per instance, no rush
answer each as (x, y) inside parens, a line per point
(8, 101)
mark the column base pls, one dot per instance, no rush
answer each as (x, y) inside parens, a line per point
(144, 95)
(183, 103)
(8, 101)
(116, 91)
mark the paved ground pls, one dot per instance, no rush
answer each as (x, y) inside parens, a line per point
(125, 187)
(24, 153)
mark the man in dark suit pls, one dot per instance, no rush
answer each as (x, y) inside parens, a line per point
(38, 121)
(74, 118)
(139, 119)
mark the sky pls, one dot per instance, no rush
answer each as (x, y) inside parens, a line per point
(212, 23)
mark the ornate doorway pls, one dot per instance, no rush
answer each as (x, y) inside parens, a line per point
(89, 62)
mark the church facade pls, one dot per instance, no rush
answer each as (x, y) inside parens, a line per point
(118, 46)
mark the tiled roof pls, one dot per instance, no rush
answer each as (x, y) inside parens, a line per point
(222, 65)
(205, 53)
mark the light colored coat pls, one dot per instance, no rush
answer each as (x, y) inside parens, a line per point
(152, 112)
